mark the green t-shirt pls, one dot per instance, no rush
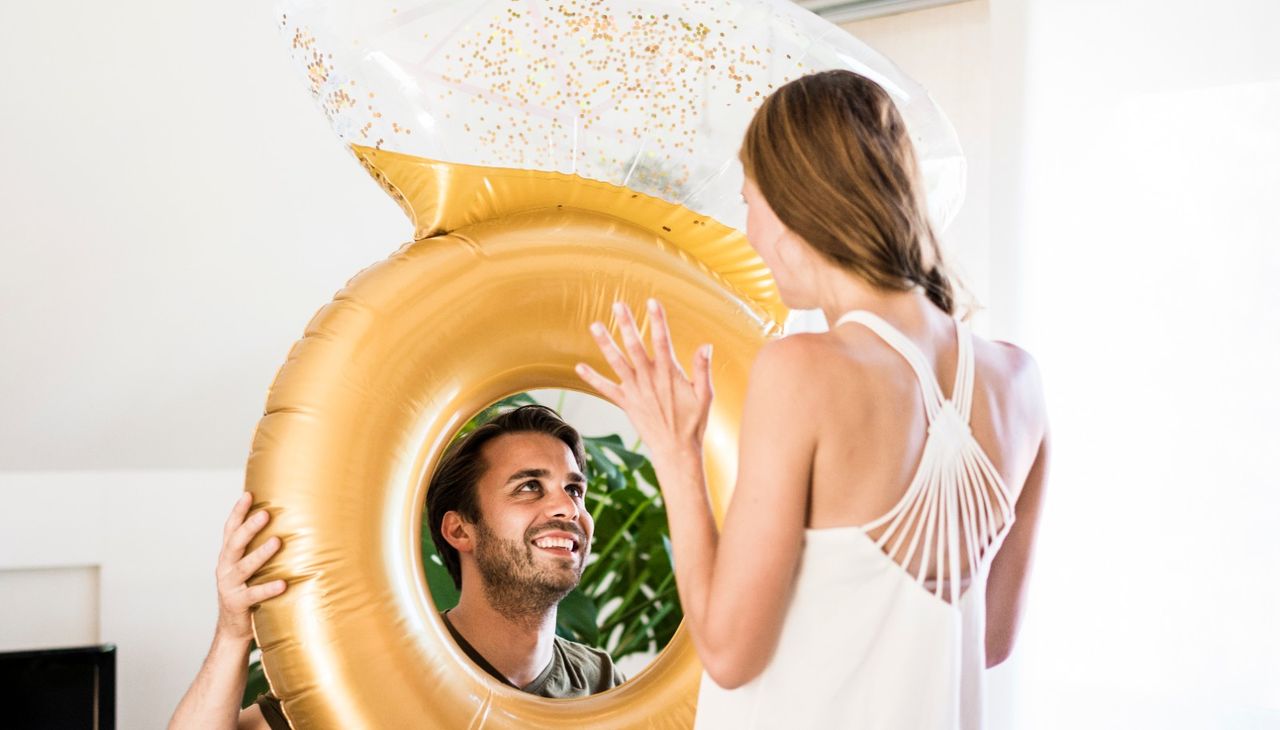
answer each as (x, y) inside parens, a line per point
(575, 670)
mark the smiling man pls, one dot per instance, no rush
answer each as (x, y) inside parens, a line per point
(507, 516)
(508, 520)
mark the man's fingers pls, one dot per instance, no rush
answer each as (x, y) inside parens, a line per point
(256, 594)
(255, 560)
(603, 385)
(244, 533)
(236, 518)
(612, 354)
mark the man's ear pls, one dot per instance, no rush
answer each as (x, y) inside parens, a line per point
(458, 532)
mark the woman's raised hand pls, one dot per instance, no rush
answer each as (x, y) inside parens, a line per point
(236, 597)
(668, 410)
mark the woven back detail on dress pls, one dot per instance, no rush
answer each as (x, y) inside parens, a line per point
(956, 509)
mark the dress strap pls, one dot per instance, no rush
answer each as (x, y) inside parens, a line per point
(962, 389)
(956, 507)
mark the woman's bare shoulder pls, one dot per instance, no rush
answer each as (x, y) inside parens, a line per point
(1011, 373)
(1008, 360)
(811, 367)
(788, 361)
(813, 354)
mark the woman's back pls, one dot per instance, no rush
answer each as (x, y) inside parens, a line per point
(874, 428)
(925, 442)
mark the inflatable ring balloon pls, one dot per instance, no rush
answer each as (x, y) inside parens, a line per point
(364, 407)
(553, 158)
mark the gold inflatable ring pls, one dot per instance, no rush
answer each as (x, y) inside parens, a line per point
(494, 297)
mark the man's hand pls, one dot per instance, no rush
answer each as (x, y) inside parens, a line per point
(213, 701)
(236, 598)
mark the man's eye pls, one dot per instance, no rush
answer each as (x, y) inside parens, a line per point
(533, 484)
(576, 490)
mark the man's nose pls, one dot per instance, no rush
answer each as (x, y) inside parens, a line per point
(563, 505)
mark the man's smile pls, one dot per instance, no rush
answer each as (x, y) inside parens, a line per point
(562, 544)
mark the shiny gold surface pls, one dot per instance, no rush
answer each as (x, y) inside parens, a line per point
(385, 374)
(440, 197)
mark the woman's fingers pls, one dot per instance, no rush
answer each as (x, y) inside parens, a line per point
(664, 353)
(612, 354)
(255, 560)
(702, 376)
(657, 382)
(631, 339)
(605, 387)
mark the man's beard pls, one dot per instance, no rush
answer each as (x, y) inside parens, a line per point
(515, 585)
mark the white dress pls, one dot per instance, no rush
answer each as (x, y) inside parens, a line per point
(878, 634)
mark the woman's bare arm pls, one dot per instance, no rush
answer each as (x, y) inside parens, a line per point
(733, 587)
(1007, 584)
(743, 596)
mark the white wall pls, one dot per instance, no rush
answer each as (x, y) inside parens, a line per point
(172, 211)
(1146, 168)
(68, 618)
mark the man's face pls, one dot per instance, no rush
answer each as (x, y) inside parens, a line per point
(534, 532)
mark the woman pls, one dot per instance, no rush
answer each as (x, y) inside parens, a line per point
(870, 566)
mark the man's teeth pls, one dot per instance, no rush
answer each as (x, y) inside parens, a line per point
(554, 542)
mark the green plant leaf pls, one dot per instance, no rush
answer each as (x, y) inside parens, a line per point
(443, 593)
(440, 584)
(613, 444)
(255, 686)
(576, 618)
(640, 635)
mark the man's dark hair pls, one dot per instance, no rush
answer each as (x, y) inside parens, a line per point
(453, 486)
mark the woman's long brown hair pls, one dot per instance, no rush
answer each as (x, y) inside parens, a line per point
(832, 157)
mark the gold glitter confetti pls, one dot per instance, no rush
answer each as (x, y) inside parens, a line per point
(625, 92)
